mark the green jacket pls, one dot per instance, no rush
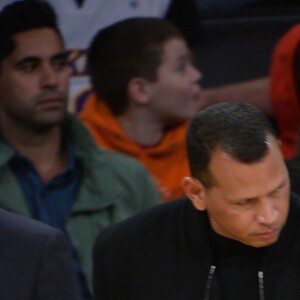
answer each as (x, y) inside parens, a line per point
(113, 188)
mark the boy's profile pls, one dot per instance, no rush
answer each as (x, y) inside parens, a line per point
(146, 89)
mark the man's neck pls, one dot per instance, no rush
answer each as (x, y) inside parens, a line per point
(45, 150)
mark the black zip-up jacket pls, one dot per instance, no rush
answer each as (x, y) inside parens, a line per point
(169, 253)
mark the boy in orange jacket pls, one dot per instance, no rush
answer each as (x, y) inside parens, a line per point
(146, 89)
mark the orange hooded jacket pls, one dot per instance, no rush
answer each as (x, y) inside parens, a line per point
(284, 91)
(166, 162)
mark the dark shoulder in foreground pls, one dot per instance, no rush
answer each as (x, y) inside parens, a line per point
(19, 225)
(35, 261)
(148, 222)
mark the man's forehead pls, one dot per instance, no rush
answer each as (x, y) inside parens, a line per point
(224, 168)
(39, 43)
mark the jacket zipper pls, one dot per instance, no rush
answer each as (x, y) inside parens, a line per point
(211, 273)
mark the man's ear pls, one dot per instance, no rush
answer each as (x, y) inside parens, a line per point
(137, 90)
(195, 191)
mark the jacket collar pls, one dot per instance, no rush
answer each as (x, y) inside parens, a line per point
(96, 172)
(98, 192)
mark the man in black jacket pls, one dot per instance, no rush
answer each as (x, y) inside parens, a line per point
(236, 237)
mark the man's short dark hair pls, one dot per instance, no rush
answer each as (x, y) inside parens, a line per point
(124, 50)
(22, 16)
(239, 129)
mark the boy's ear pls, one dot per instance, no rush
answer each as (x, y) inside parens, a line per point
(195, 191)
(137, 90)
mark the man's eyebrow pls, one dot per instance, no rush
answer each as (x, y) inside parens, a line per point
(60, 55)
(281, 185)
(33, 58)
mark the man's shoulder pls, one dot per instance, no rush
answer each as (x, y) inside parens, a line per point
(157, 214)
(23, 227)
(41, 252)
(153, 223)
(33, 238)
(151, 237)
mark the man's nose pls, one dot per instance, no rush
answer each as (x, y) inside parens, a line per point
(48, 76)
(267, 212)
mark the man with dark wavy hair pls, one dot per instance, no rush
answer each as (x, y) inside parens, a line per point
(50, 168)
